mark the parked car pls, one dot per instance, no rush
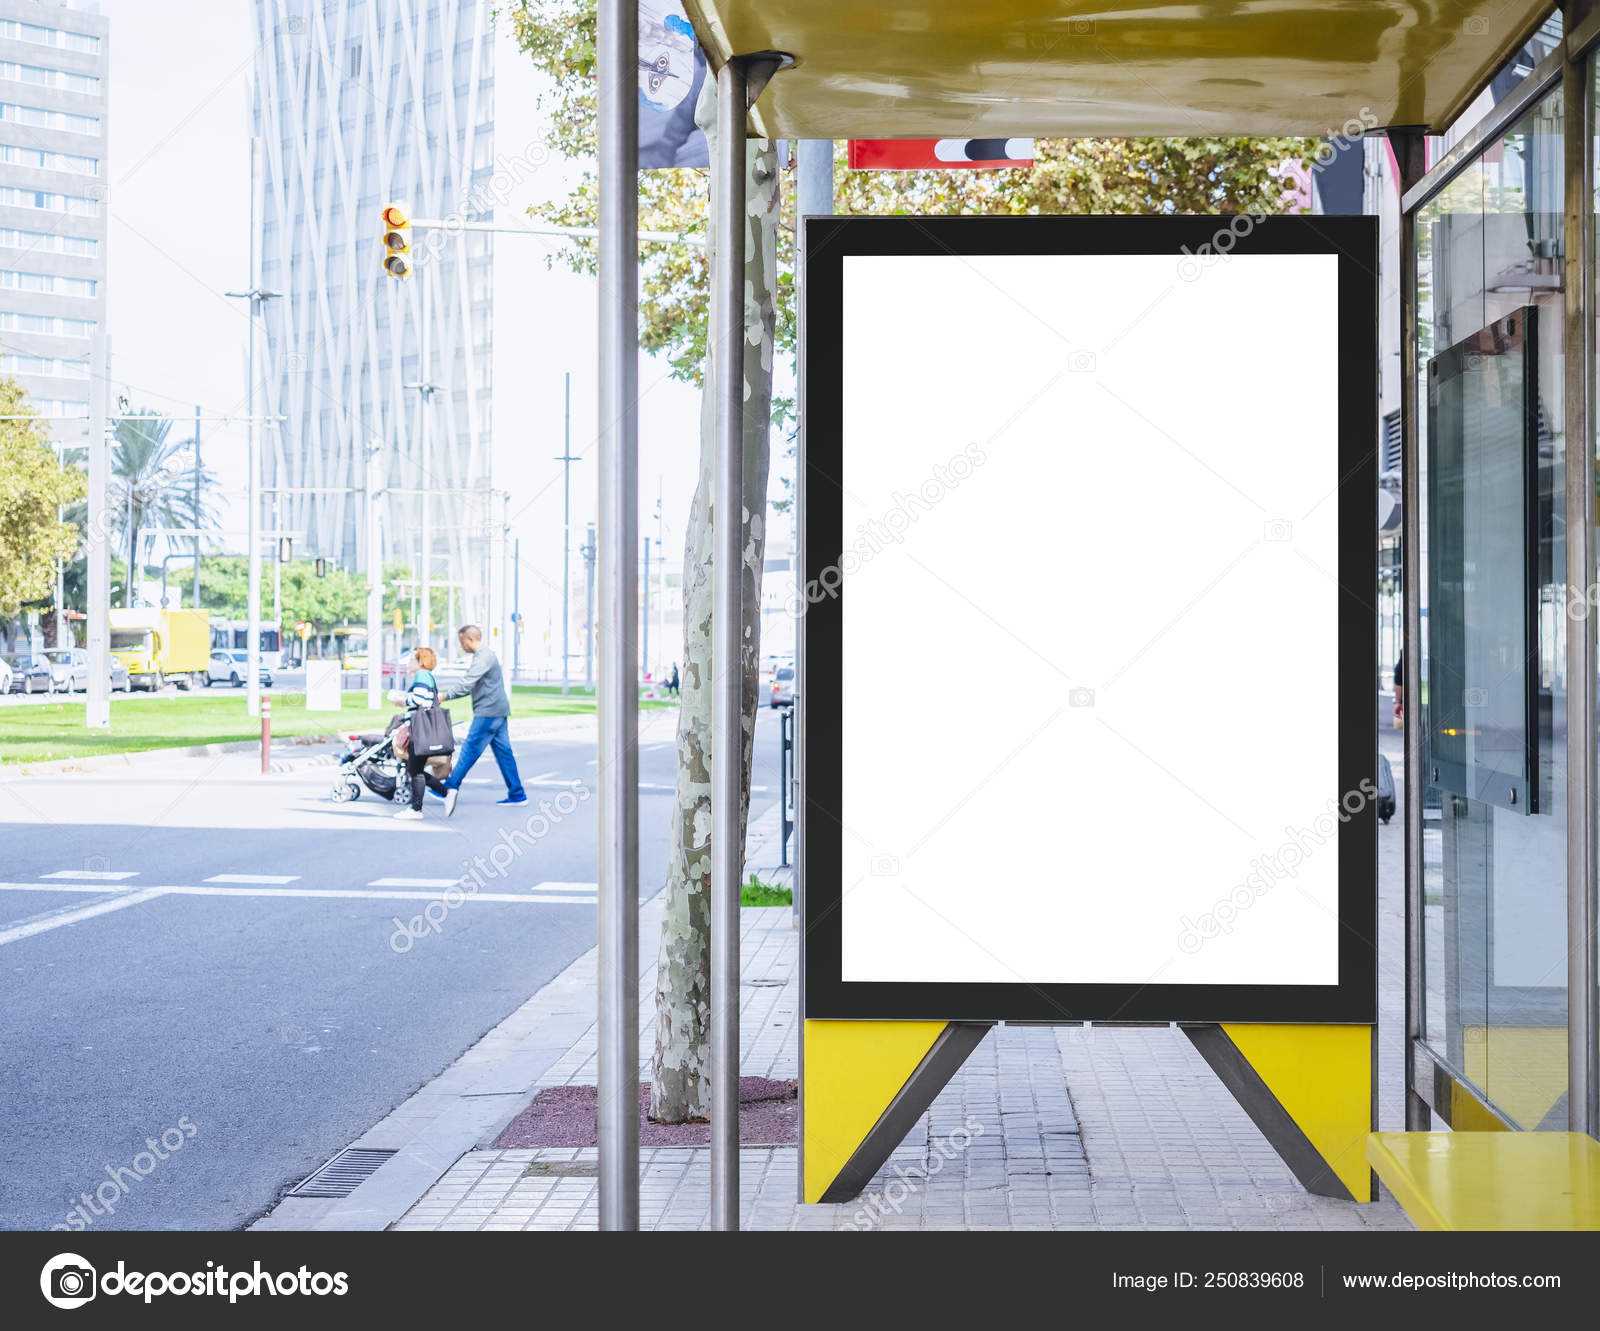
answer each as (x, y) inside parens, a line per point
(231, 667)
(31, 674)
(783, 686)
(69, 669)
(6, 673)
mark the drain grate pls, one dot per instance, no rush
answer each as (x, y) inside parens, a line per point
(343, 1174)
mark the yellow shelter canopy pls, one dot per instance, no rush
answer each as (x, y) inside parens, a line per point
(1114, 68)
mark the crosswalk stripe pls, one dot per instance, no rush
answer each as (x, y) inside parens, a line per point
(94, 875)
(119, 902)
(565, 887)
(262, 879)
(413, 882)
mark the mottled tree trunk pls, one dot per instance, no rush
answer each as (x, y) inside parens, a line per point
(683, 969)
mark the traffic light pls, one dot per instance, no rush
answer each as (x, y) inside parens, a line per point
(396, 240)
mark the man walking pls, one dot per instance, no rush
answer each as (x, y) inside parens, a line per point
(491, 718)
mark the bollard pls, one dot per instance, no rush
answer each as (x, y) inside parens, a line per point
(266, 735)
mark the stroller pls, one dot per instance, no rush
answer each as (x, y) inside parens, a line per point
(378, 763)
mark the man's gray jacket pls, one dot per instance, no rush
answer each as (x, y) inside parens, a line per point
(486, 683)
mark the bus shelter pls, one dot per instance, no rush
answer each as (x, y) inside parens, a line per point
(1495, 342)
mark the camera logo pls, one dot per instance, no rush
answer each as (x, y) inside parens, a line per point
(67, 1281)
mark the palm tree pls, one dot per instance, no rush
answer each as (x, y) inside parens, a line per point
(154, 483)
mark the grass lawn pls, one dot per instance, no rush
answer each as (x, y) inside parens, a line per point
(46, 731)
(758, 893)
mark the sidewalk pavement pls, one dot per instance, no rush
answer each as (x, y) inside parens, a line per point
(1069, 1128)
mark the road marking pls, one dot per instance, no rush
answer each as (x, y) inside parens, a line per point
(355, 893)
(255, 878)
(361, 894)
(119, 902)
(565, 887)
(413, 882)
(94, 875)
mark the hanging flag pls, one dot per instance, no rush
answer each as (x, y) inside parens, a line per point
(938, 154)
(672, 68)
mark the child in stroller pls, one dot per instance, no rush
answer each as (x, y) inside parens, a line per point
(378, 762)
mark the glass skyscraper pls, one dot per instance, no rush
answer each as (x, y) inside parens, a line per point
(356, 104)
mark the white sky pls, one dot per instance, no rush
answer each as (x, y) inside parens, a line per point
(179, 204)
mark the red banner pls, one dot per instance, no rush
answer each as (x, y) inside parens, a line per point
(938, 154)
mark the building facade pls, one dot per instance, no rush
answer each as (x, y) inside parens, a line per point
(357, 104)
(54, 60)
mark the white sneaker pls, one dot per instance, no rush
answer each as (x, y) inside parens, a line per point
(450, 801)
(409, 815)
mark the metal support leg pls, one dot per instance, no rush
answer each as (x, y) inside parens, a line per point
(1409, 154)
(727, 619)
(954, 1045)
(1577, 141)
(618, 694)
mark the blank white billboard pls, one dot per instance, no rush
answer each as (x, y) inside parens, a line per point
(1089, 619)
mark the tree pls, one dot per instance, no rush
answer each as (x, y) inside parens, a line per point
(338, 599)
(34, 488)
(153, 483)
(1077, 176)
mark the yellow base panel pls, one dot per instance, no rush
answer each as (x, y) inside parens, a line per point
(853, 1071)
(1491, 1180)
(1322, 1076)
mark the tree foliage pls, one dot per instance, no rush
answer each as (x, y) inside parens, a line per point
(336, 600)
(34, 488)
(1195, 175)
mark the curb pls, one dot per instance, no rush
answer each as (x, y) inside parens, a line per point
(530, 727)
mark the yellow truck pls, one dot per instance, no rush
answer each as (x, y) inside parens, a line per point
(161, 645)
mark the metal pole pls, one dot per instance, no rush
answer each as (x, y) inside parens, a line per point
(644, 618)
(588, 608)
(97, 709)
(424, 401)
(618, 700)
(516, 606)
(1577, 147)
(1409, 153)
(197, 505)
(374, 480)
(727, 619)
(253, 474)
(566, 532)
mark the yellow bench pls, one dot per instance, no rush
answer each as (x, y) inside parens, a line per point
(1491, 1180)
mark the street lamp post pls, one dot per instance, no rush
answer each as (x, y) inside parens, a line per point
(257, 298)
(374, 479)
(566, 460)
(425, 389)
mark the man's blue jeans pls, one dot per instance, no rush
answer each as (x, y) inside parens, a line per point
(494, 732)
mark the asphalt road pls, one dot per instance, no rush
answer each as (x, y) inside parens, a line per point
(250, 1012)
